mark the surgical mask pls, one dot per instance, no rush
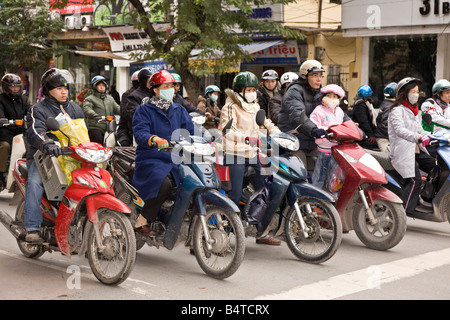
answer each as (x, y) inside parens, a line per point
(167, 94)
(413, 98)
(331, 103)
(214, 98)
(250, 97)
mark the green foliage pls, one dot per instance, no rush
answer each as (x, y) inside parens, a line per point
(24, 28)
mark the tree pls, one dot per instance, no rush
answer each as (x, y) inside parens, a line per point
(24, 28)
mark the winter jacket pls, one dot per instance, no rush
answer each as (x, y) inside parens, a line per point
(404, 131)
(362, 116)
(382, 119)
(244, 125)
(439, 111)
(102, 104)
(12, 109)
(275, 105)
(124, 132)
(178, 98)
(264, 97)
(205, 105)
(153, 166)
(325, 117)
(36, 121)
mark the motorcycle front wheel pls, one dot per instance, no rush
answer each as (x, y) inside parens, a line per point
(113, 257)
(227, 246)
(323, 234)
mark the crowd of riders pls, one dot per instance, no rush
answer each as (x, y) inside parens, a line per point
(154, 107)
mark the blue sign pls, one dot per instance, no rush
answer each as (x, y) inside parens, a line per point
(154, 66)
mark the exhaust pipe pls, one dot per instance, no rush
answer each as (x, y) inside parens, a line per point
(8, 222)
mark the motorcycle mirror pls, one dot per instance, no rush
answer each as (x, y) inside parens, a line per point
(427, 118)
(52, 124)
(227, 126)
(303, 119)
(260, 117)
(112, 125)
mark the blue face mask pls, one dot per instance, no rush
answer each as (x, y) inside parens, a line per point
(214, 98)
(167, 94)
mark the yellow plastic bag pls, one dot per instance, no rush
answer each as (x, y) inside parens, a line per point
(77, 131)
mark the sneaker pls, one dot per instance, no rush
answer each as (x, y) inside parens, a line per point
(34, 237)
(268, 240)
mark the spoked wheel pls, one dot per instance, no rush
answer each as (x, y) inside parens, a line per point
(322, 235)
(227, 249)
(387, 231)
(112, 260)
(29, 250)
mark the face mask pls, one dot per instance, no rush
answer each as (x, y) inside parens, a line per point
(331, 103)
(214, 98)
(250, 97)
(167, 94)
(413, 98)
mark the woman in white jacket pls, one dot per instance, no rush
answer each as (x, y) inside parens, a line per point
(408, 141)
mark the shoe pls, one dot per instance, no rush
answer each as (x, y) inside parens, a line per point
(144, 230)
(33, 237)
(268, 240)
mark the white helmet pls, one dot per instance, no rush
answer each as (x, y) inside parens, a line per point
(310, 66)
(288, 77)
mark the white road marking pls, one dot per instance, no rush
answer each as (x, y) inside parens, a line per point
(365, 279)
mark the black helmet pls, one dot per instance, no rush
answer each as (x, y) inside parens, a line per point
(143, 75)
(12, 80)
(55, 78)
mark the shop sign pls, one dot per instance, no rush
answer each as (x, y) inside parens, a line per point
(154, 66)
(285, 53)
(126, 38)
(74, 6)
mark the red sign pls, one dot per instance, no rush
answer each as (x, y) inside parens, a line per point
(75, 6)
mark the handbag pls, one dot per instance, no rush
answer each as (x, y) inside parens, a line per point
(259, 202)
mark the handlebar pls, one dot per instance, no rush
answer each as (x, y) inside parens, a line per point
(4, 122)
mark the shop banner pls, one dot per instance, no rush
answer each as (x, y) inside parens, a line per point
(75, 6)
(284, 53)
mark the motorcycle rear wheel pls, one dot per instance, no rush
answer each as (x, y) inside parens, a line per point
(228, 249)
(324, 230)
(389, 229)
(114, 263)
(31, 251)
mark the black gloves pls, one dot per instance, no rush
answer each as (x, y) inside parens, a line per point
(319, 133)
(51, 148)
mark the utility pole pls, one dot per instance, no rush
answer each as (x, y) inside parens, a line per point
(319, 22)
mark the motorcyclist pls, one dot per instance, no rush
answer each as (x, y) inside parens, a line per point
(178, 98)
(363, 114)
(381, 132)
(154, 122)
(208, 104)
(241, 106)
(96, 105)
(55, 83)
(267, 89)
(275, 102)
(13, 106)
(438, 105)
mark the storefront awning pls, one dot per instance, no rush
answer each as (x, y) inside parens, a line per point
(103, 54)
(260, 45)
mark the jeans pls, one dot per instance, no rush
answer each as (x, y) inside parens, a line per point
(34, 192)
(321, 169)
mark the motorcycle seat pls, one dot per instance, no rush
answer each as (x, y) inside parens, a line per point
(23, 169)
(382, 158)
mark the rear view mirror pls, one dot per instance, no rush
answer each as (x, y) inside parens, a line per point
(303, 119)
(227, 126)
(260, 117)
(427, 118)
(52, 124)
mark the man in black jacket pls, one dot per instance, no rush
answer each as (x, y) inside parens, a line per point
(13, 106)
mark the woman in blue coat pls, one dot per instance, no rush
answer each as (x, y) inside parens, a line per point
(154, 122)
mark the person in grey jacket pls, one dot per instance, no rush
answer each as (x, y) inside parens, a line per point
(408, 141)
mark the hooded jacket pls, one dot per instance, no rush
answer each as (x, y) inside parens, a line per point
(102, 104)
(206, 105)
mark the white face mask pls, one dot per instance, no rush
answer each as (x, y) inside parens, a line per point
(331, 103)
(250, 96)
(413, 98)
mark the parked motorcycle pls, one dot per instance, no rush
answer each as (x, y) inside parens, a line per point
(303, 213)
(197, 214)
(434, 198)
(84, 217)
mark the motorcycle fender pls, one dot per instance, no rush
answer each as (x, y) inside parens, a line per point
(213, 197)
(297, 190)
(104, 200)
(375, 192)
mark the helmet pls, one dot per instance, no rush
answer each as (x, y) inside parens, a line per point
(13, 80)
(54, 78)
(288, 77)
(134, 76)
(97, 79)
(389, 90)
(269, 75)
(244, 79)
(210, 88)
(333, 88)
(365, 91)
(405, 81)
(144, 74)
(310, 66)
(177, 77)
(440, 86)
(160, 77)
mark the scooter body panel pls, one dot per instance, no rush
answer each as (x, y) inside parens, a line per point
(17, 151)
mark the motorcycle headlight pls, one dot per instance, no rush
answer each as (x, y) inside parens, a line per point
(94, 156)
(369, 161)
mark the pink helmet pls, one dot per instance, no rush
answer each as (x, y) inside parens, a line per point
(333, 88)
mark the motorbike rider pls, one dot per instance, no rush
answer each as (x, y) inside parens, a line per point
(154, 122)
(381, 132)
(178, 98)
(437, 105)
(364, 115)
(96, 105)
(267, 89)
(13, 106)
(55, 84)
(241, 106)
(208, 104)
(275, 102)
(408, 141)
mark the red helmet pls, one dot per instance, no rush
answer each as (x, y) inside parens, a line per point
(160, 77)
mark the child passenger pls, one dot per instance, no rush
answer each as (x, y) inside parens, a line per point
(327, 114)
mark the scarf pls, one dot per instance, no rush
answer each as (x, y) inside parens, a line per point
(414, 109)
(163, 104)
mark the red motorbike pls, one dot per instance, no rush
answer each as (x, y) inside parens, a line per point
(374, 212)
(82, 218)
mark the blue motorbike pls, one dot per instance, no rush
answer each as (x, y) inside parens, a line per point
(197, 213)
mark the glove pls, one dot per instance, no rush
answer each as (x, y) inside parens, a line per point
(254, 142)
(160, 142)
(319, 133)
(424, 139)
(372, 140)
(49, 147)
(97, 117)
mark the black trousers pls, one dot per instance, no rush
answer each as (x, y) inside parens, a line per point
(411, 192)
(151, 207)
